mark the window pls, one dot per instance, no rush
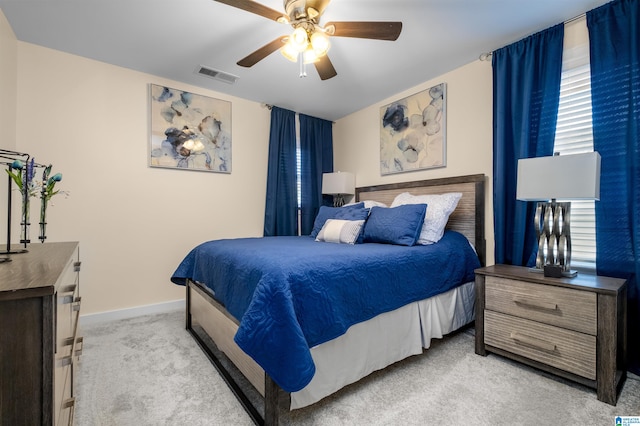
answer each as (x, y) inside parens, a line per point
(573, 136)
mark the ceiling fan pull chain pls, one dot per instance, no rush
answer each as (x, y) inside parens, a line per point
(303, 67)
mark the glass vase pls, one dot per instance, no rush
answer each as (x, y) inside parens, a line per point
(43, 220)
(43, 232)
(24, 223)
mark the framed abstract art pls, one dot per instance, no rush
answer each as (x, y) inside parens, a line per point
(413, 132)
(189, 131)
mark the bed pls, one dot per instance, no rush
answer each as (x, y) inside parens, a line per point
(311, 331)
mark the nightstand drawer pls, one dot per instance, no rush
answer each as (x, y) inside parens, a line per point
(557, 306)
(564, 349)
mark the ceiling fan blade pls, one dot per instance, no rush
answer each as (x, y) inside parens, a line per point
(325, 68)
(374, 30)
(254, 7)
(255, 57)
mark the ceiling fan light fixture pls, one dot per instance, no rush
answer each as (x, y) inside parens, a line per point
(320, 43)
(299, 39)
(309, 41)
(289, 52)
(310, 56)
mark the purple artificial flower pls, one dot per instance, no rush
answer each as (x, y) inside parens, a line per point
(30, 171)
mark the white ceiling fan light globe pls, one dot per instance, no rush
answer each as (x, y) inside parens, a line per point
(289, 52)
(310, 56)
(299, 39)
(320, 43)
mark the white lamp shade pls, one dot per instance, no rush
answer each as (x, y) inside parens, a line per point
(564, 177)
(338, 183)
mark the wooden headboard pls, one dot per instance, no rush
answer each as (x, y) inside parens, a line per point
(468, 217)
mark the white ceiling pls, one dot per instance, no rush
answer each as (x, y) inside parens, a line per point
(171, 38)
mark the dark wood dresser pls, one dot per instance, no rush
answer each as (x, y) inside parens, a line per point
(571, 327)
(39, 310)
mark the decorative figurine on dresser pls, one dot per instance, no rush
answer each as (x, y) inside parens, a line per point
(571, 327)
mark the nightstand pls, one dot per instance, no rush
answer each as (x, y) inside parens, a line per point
(571, 327)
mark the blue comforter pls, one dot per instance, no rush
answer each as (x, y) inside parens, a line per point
(292, 293)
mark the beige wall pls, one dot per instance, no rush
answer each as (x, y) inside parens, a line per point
(8, 96)
(469, 136)
(135, 223)
(8, 92)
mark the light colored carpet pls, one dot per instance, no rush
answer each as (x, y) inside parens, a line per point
(149, 371)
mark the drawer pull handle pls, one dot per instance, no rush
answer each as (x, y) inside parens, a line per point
(76, 266)
(76, 303)
(536, 304)
(533, 342)
(78, 347)
(65, 361)
(69, 403)
(68, 288)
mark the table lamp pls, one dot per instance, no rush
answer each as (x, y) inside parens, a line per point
(547, 179)
(338, 184)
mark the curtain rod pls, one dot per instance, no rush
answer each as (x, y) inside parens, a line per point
(269, 106)
(486, 56)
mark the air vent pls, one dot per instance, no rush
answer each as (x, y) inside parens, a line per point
(216, 75)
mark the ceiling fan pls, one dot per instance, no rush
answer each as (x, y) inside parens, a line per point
(309, 41)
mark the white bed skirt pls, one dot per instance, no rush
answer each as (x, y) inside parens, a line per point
(381, 341)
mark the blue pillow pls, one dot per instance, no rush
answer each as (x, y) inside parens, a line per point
(396, 225)
(352, 212)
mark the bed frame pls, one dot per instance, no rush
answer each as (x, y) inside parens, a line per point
(213, 327)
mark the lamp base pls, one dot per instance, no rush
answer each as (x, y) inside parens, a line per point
(554, 271)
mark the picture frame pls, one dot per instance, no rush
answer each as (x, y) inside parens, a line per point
(189, 131)
(413, 132)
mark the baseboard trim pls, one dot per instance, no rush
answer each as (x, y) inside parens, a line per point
(158, 308)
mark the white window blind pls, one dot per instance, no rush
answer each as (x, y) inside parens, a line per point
(574, 135)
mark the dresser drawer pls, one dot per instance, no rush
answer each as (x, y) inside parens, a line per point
(560, 348)
(557, 306)
(68, 302)
(63, 377)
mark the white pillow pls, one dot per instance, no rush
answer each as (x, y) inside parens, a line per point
(439, 208)
(340, 231)
(368, 204)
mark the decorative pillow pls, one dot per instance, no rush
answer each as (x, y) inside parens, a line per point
(369, 203)
(440, 208)
(352, 212)
(340, 231)
(398, 225)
